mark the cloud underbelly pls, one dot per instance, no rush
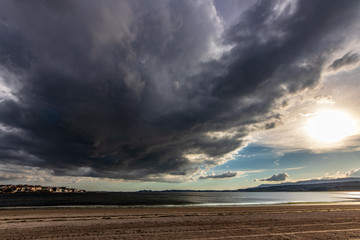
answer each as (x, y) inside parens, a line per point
(134, 90)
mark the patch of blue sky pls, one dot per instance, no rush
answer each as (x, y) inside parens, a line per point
(252, 157)
(300, 164)
(321, 163)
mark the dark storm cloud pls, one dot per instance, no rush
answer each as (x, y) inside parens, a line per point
(222, 175)
(347, 59)
(276, 177)
(131, 89)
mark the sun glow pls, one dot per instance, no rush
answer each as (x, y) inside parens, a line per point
(331, 126)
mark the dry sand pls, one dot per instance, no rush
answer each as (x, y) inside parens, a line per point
(275, 222)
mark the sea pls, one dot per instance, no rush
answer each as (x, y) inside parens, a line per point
(171, 199)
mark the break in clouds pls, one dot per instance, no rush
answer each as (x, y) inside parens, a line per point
(153, 90)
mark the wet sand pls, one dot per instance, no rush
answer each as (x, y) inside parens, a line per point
(270, 222)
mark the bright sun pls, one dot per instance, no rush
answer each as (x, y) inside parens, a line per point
(331, 126)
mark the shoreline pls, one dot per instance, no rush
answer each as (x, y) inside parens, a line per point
(200, 205)
(330, 221)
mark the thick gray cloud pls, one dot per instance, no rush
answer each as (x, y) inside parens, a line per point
(221, 175)
(347, 59)
(276, 177)
(134, 89)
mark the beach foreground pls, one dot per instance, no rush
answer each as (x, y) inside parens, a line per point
(270, 222)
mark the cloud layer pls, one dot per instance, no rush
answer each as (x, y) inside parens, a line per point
(276, 177)
(221, 175)
(152, 91)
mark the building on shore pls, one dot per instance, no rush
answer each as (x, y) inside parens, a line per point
(36, 189)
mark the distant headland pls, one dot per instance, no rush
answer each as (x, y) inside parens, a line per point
(21, 188)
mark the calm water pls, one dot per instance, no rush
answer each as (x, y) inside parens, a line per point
(169, 199)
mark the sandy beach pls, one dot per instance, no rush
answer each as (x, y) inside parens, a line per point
(270, 222)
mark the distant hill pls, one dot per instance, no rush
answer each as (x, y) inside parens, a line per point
(340, 184)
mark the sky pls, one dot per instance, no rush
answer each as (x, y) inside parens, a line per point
(167, 94)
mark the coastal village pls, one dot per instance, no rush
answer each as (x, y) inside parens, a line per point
(36, 189)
